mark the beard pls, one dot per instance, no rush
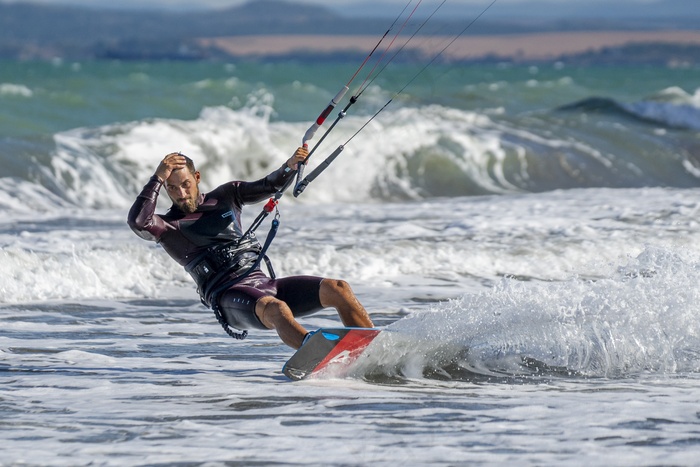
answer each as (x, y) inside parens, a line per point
(188, 206)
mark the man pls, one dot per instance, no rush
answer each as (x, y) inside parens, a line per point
(203, 233)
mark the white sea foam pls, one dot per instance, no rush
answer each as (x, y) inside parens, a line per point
(433, 249)
(21, 196)
(682, 116)
(105, 167)
(10, 89)
(642, 320)
(680, 96)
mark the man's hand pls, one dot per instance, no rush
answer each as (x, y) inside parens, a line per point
(171, 162)
(299, 156)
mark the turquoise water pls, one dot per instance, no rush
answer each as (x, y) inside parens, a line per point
(539, 128)
(69, 95)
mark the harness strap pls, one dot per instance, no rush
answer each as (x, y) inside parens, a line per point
(214, 301)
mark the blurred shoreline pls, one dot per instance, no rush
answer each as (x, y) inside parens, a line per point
(517, 47)
(662, 32)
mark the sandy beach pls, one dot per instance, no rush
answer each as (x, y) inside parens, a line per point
(538, 46)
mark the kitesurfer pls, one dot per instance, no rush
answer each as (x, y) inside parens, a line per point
(202, 232)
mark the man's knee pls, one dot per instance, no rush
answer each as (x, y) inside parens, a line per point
(338, 286)
(271, 310)
(333, 290)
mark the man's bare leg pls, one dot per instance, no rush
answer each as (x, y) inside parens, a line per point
(339, 295)
(276, 314)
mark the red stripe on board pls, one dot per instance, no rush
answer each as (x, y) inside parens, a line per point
(348, 349)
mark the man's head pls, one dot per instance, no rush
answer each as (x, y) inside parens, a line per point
(183, 186)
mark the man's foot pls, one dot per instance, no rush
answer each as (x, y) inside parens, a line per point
(307, 336)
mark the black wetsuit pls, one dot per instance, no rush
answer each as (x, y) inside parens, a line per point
(208, 244)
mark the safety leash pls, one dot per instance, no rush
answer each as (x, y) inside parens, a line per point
(274, 227)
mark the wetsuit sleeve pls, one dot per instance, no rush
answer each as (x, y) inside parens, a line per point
(252, 192)
(142, 218)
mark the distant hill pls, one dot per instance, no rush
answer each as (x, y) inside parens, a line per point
(30, 31)
(677, 13)
(44, 31)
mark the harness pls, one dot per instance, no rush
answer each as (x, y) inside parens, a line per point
(222, 266)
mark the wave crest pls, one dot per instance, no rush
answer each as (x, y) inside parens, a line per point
(413, 152)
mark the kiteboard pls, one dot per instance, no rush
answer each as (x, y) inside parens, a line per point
(328, 348)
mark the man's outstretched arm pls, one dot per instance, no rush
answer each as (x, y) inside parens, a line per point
(252, 192)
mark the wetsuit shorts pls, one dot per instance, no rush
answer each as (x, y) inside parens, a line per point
(237, 304)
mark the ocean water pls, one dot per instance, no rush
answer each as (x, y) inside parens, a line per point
(527, 237)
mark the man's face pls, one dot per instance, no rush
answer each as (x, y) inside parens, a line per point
(183, 189)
